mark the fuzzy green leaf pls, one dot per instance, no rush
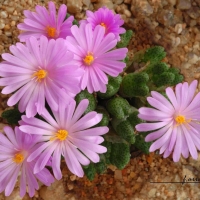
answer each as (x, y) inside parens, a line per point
(166, 78)
(105, 119)
(120, 155)
(141, 144)
(178, 79)
(100, 167)
(154, 54)
(118, 107)
(159, 68)
(125, 39)
(90, 171)
(12, 116)
(112, 87)
(134, 119)
(126, 131)
(86, 95)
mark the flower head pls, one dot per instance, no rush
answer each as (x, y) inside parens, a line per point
(107, 19)
(41, 69)
(44, 22)
(15, 147)
(175, 121)
(93, 53)
(68, 135)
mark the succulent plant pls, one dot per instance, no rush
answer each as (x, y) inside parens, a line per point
(119, 105)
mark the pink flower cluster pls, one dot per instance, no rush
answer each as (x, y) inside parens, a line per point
(55, 63)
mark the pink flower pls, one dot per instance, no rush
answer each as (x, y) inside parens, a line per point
(107, 19)
(14, 150)
(41, 69)
(93, 53)
(44, 22)
(175, 121)
(68, 135)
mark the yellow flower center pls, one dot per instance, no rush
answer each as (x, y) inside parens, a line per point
(180, 119)
(88, 59)
(61, 135)
(103, 24)
(18, 158)
(51, 32)
(40, 74)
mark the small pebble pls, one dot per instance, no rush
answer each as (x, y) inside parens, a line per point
(178, 28)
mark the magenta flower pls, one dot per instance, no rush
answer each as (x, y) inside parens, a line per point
(14, 150)
(44, 22)
(68, 135)
(177, 128)
(107, 19)
(93, 53)
(39, 70)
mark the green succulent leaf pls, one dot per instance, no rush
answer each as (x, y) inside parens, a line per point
(86, 95)
(159, 68)
(90, 171)
(100, 167)
(107, 154)
(125, 39)
(154, 54)
(112, 87)
(166, 78)
(174, 70)
(134, 119)
(105, 119)
(120, 155)
(141, 144)
(12, 116)
(178, 79)
(118, 107)
(134, 84)
(125, 130)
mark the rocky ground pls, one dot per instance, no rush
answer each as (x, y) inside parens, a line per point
(173, 24)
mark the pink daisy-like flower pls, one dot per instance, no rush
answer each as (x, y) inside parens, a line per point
(14, 150)
(107, 19)
(44, 22)
(41, 69)
(93, 53)
(177, 127)
(68, 135)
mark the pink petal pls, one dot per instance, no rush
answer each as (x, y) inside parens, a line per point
(160, 98)
(82, 106)
(172, 97)
(56, 163)
(44, 157)
(39, 150)
(72, 162)
(190, 143)
(80, 157)
(161, 141)
(87, 121)
(150, 126)
(157, 134)
(177, 148)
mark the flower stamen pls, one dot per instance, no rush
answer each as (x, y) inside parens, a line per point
(88, 59)
(103, 24)
(18, 158)
(61, 135)
(40, 74)
(180, 119)
(51, 32)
